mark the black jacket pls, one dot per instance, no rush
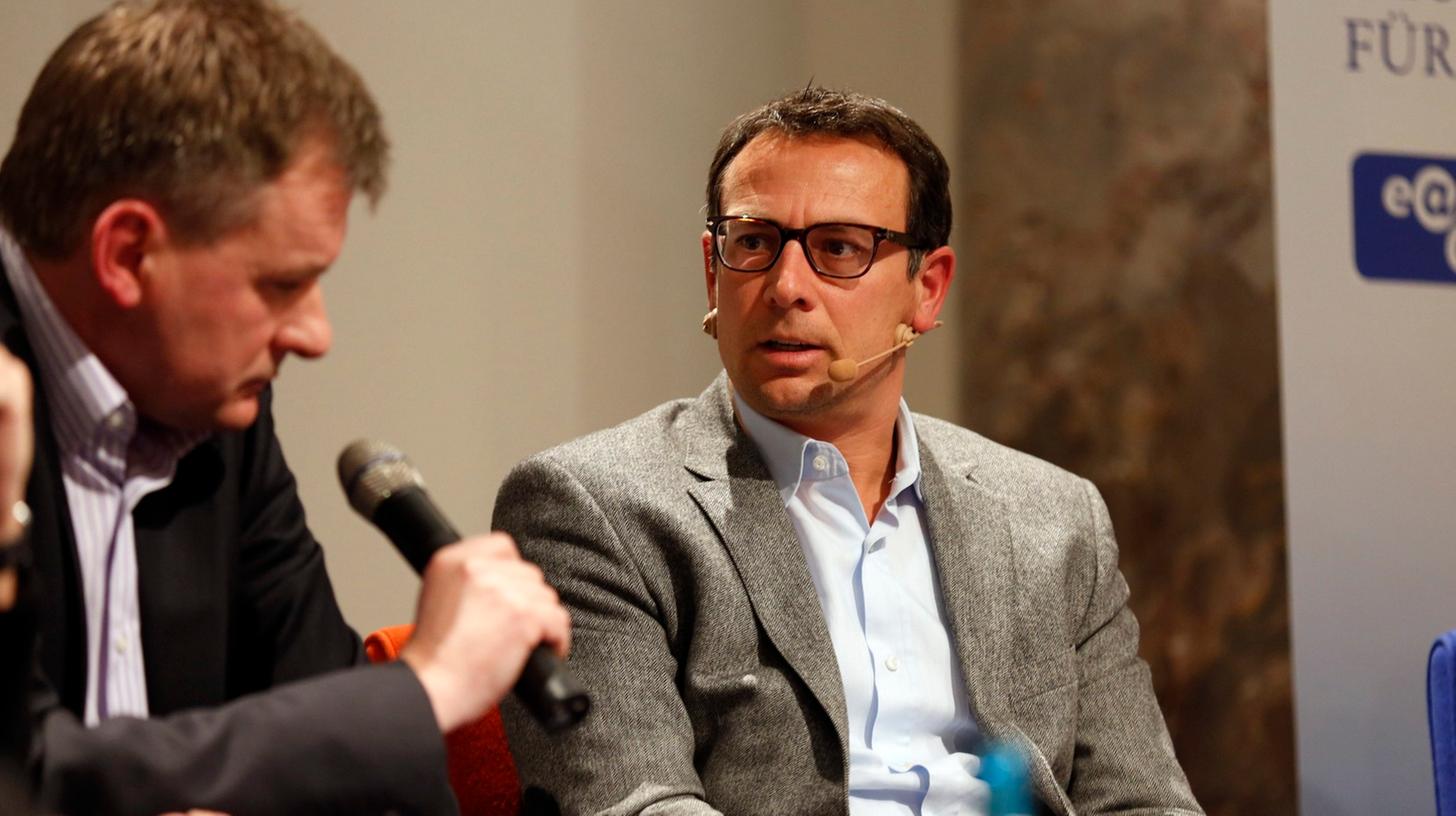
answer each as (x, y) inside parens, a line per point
(252, 684)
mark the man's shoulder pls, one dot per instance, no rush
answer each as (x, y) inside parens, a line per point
(996, 467)
(646, 442)
(627, 474)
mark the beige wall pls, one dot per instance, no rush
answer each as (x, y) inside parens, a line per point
(534, 271)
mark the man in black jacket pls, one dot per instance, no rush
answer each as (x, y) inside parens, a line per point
(179, 181)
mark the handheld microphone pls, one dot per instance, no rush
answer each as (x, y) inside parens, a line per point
(845, 369)
(386, 489)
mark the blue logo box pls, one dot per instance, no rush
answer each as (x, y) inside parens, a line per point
(1405, 217)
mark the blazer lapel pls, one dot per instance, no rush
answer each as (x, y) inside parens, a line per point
(740, 498)
(970, 540)
(182, 543)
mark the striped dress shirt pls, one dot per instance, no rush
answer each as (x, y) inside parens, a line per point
(110, 460)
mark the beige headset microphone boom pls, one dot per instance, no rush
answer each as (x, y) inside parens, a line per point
(845, 369)
(841, 369)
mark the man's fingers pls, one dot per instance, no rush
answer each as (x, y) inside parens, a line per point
(482, 610)
(561, 639)
(490, 545)
(16, 441)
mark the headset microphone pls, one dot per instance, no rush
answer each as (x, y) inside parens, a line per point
(845, 369)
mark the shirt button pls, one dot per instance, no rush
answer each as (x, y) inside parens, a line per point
(122, 644)
(749, 681)
(821, 463)
(892, 663)
(115, 420)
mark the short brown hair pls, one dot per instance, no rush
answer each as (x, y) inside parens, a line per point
(825, 112)
(190, 104)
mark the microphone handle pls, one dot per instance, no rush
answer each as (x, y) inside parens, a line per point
(415, 525)
(417, 528)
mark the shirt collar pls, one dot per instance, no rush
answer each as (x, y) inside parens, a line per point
(788, 453)
(85, 399)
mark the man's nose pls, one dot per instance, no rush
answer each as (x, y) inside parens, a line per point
(791, 278)
(307, 331)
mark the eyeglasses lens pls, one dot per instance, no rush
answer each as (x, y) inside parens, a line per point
(841, 251)
(748, 246)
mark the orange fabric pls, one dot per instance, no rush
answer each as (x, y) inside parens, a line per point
(481, 769)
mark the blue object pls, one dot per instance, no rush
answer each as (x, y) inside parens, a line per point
(1003, 769)
(1441, 706)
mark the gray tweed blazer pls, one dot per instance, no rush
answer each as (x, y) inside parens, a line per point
(699, 635)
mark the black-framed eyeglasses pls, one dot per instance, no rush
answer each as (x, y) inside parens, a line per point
(746, 244)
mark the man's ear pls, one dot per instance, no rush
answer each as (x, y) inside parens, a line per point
(710, 273)
(123, 238)
(932, 285)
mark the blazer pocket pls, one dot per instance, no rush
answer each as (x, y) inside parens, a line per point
(1039, 677)
(1044, 705)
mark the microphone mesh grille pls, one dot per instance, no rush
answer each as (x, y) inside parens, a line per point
(371, 472)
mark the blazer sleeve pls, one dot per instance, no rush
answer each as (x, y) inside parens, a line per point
(1124, 757)
(350, 742)
(634, 752)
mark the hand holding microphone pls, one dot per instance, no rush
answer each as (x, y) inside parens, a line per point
(483, 612)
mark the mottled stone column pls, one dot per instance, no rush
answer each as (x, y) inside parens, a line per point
(1118, 281)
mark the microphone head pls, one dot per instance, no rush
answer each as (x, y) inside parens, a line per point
(371, 472)
(843, 370)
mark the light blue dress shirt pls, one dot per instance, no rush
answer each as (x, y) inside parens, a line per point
(910, 728)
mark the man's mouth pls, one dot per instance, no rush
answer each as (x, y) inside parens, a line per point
(255, 386)
(789, 345)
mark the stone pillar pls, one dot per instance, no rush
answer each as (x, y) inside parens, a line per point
(1117, 277)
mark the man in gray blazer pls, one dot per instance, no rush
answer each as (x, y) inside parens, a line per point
(791, 594)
